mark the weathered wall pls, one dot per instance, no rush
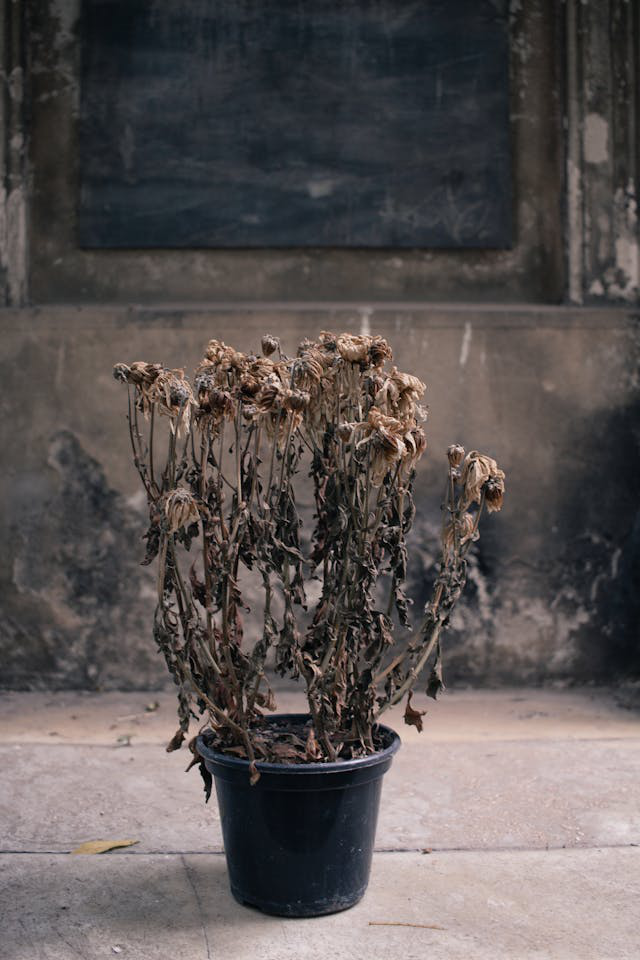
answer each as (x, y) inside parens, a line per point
(553, 393)
(602, 62)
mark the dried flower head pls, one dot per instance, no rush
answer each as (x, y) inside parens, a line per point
(139, 374)
(415, 442)
(172, 395)
(369, 351)
(295, 400)
(399, 396)
(476, 470)
(352, 348)
(308, 368)
(494, 492)
(386, 436)
(121, 372)
(181, 510)
(379, 351)
(269, 344)
(228, 364)
(271, 395)
(168, 391)
(455, 453)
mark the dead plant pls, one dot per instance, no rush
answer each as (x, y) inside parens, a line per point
(220, 461)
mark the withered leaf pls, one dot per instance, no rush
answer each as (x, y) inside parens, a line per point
(435, 684)
(207, 780)
(284, 751)
(312, 747)
(254, 773)
(176, 741)
(413, 718)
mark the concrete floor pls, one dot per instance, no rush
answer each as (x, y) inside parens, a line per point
(528, 803)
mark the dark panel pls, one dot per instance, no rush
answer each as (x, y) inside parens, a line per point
(266, 123)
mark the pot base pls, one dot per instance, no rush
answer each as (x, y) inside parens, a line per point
(320, 908)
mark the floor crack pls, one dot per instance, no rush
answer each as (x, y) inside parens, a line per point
(199, 903)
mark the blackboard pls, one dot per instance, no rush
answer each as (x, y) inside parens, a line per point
(285, 123)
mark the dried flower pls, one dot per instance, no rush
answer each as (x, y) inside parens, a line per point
(455, 453)
(494, 492)
(372, 351)
(269, 344)
(308, 368)
(399, 397)
(171, 392)
(386, 435)
(219, 404)
(416, 443)
(139, 373)
(379, 351)
(181, 510)
(121, 372)
(476, 470)
(463, 527)
(354, 349)
(166, 390)
(271, 395)
(295, 400)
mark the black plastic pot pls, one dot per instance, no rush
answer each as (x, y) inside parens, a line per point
(299, 843)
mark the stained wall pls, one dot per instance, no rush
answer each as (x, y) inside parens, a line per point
(529, 353)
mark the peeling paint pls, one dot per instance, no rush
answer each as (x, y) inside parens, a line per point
(626, 245)
(13, 244)
(574, 207)
(596, 137)
(465, 346)
(621, 278)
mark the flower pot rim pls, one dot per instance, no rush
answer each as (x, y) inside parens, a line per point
(299, 769)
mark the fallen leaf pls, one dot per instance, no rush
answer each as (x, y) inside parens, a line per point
(124, 740)
(152, 707)
(103, 846)
(427, 850)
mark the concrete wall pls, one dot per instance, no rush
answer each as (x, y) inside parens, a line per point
(549, 387)
(552, 392)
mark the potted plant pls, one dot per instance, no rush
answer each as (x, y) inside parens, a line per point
(221, 462)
